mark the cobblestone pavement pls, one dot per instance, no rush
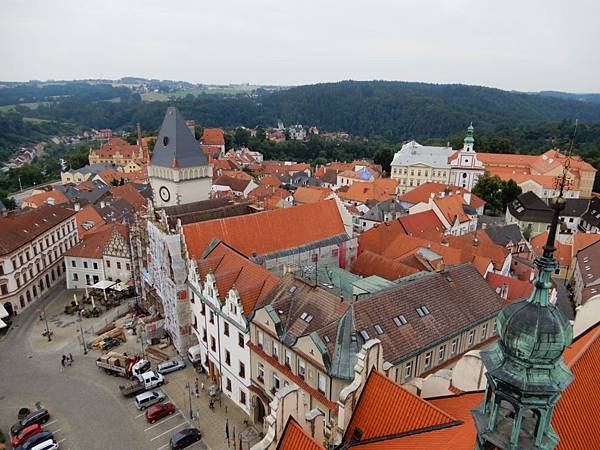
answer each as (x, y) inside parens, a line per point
(87, 410)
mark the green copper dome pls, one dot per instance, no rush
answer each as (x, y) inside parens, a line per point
(469, 137)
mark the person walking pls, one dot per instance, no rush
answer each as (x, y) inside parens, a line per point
(62, 363)
(196, 391)
(202, 386)
(70, 358)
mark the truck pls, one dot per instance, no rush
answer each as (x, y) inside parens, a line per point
(121, 364)
(147, 380)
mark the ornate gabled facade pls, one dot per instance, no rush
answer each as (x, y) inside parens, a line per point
(525, 370)
(465, 168)
(179, 171)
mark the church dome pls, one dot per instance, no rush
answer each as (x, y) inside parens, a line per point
(533, 333)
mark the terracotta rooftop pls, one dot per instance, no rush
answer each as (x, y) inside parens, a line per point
(295, 438)
(517, 289)
(52, 197)
(117, 145)
(311, 194)
(422, 194)
(131, 195)
(563, 253)
(270, 231)
(422, 222)
(368, 263)
(386, 410)
(92, 245)
(232, 270)
(21, 228)
(213, 136)
(236, 184)
(361, 192)
(88, 220)
(452, 208)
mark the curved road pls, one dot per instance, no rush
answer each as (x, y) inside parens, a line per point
(88, 408)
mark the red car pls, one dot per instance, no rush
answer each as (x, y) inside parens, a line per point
(157, 412)
(25, 434)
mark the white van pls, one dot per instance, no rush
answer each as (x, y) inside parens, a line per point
(151, 379)
(194, 354)
(143, 401)
(50, 444)
(140, 367)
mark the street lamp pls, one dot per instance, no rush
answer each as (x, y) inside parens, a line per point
(189, 389)
(46, 321)
(83, 340)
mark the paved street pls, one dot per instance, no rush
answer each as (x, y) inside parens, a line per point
(86, 407)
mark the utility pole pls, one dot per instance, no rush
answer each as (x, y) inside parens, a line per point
(47, 329)
(83, 340)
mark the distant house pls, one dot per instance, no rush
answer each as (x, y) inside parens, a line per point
(590, 220)
(84, 173)
(509, 236)
(237, 186)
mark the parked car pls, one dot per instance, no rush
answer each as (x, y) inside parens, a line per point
(185, 438)
(171, 366)
(50, 444)
(35, 440)
(157, 412)
(143, 401)
(39, 416)
(25, 434)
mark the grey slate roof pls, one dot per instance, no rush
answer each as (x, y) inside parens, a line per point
(592, 215)
(528, 207)
(92, 168)
(176, 146)
(378, 211)
(575, 207)
(414, 153)
(503, 234)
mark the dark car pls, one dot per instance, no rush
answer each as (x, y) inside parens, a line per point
(39, 416)
(110, 342)
(25, 433)
(35, 440)
(185, 438)
(157, 412)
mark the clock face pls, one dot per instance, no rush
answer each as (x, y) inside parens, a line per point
(164, 193)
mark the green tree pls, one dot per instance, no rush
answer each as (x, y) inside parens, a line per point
(384, 156)
(489, 188)
(241, 137)
(510, 191)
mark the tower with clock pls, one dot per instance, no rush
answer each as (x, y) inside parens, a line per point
(179, 171)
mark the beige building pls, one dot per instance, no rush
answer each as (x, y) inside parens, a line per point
(31, 253)
(416, 164)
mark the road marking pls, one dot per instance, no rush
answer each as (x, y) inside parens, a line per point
(140, 415)
(162, 421)
(62, 440)
(56, 431)
(49, 423)
(168, 431)
(164, 446)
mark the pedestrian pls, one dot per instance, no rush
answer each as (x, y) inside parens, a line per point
(62, 363)
(70, 358)
(202, 386)
(196, 391)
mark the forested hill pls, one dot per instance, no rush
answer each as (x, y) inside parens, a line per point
(400, 110)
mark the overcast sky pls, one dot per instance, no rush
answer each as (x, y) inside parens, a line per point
(524, 45)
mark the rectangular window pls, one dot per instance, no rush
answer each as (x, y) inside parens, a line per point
(301, 368)
(228, 385)
(226, 328)
(203, 309)
(75, 277)
(118, 264)
(204, 334)
(242, 372)
(85, 265)
(242, 397)
(213, 344)
(454, 347)
(484, 331)
(3, 289)
(322, 383)
(95, 266)
(1, 269)
(275, 349)
(227, 357)
(427, 361)
(471, 337)
(408, 370)
(260, 375)
(108, 263)
(276, 383)
(441, 352)
(211, 317)
(288, 359)
(241, 340)
(259, 338)
(127, 266)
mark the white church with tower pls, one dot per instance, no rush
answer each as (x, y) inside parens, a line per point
(465, 168)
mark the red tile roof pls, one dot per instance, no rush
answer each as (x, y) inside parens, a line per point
(387, 409)
(563, 253)
(52, 197)
(452, 207)
(369, 263)
(422, 194)
(232, 270)
(213, 136)
(517, 289)
(295, 438)
(311, 194)
(117, 145)
(236, 184)
(92, 244)
(89, 216)
(20, 228)
(131, 195)
(211, 151)
(269, 231)
(361, 192)
(423, 222)
(270, 180)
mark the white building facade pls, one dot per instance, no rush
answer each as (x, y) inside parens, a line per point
(465, 168)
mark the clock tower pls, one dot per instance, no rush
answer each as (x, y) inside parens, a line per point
(179, 171)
